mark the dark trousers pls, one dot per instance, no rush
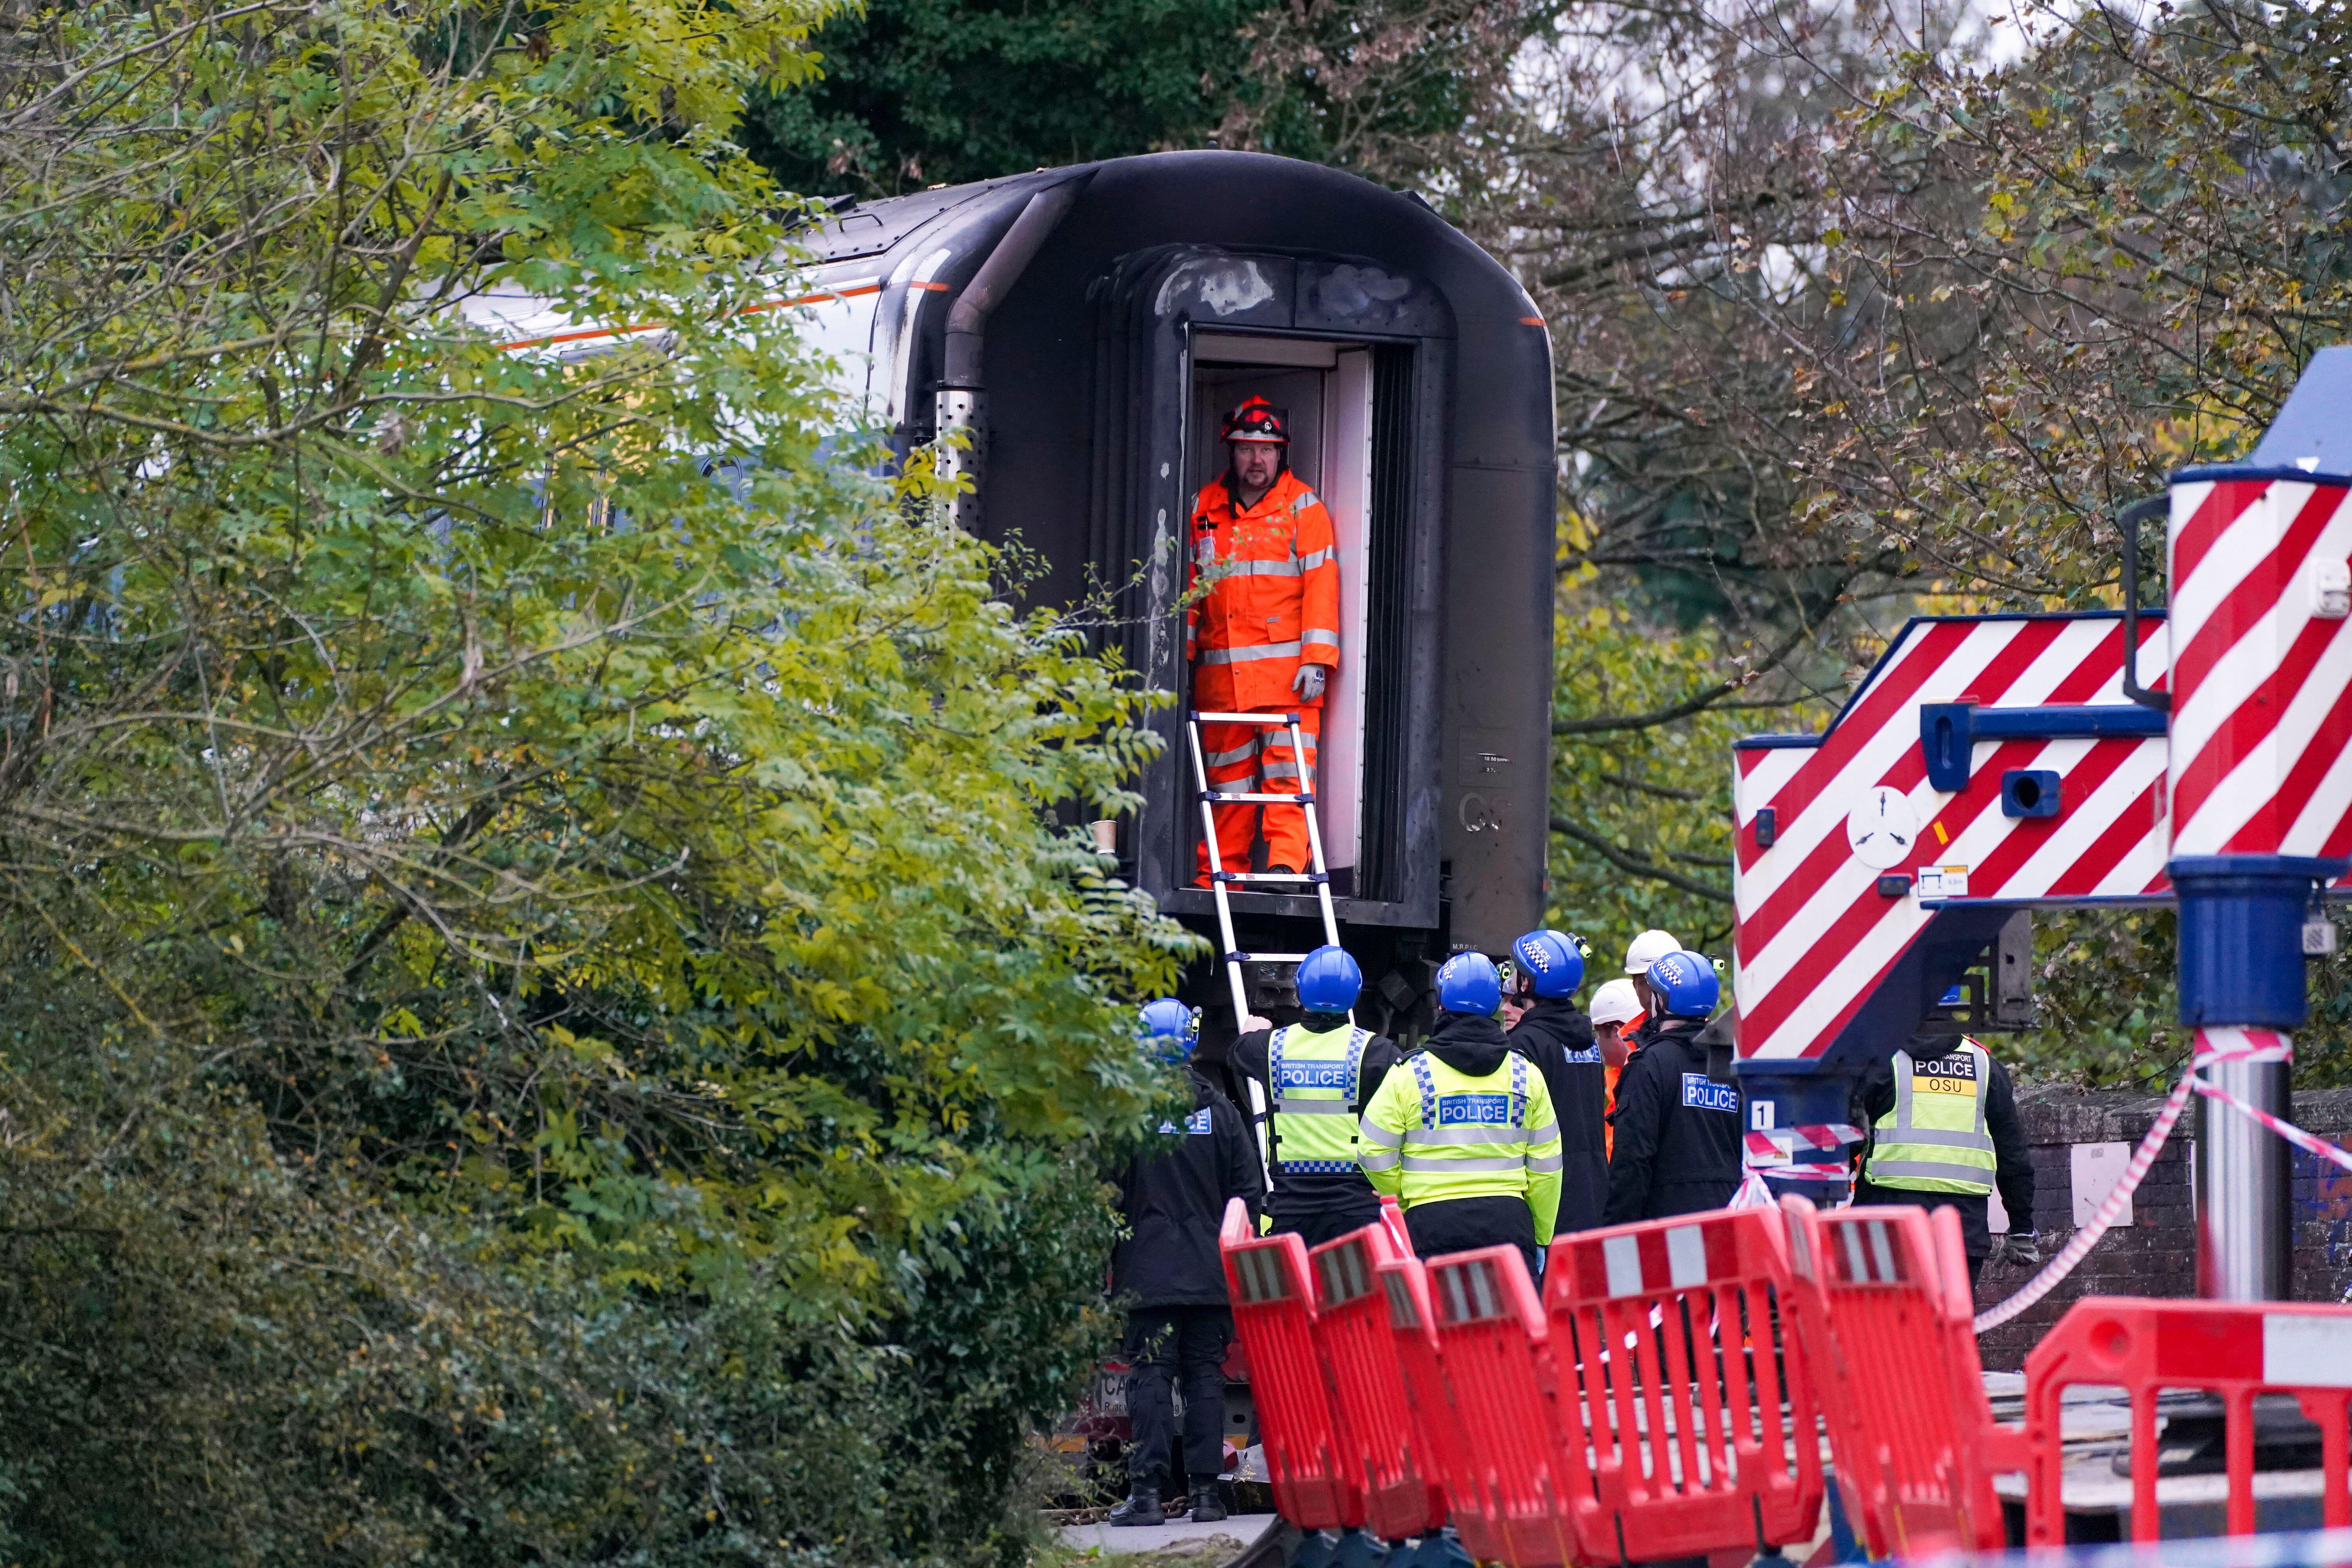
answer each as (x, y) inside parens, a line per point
(1584, 1191)
(1974, 1209)
(1319, 1219)
(1164, 1345)
(1465, 1225)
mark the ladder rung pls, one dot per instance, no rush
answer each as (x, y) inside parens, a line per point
(1265, 958)
(1271, 720)
(1270, 877)
(1242, 799)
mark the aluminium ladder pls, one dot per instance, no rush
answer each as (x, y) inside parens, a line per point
(1221, 879)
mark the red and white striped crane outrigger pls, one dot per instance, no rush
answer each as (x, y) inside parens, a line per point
(1993, 764)
(1855, 859)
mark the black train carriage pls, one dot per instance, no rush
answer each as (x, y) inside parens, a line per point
(1087, 326)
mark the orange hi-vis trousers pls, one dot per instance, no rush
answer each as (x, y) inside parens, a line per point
(1255, 759)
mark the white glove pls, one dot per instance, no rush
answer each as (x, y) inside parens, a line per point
(1308, 681)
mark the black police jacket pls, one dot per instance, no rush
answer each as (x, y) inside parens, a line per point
(1173, 1198)
(1678, 1141)
(1556, 1036)
(1299, 1190)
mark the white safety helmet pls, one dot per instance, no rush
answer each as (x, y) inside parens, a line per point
(1647, 949)
(1614, 1003)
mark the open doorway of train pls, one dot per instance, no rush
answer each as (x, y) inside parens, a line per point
(1324, 391)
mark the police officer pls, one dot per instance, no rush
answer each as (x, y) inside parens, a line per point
(1550, 1030)
(1678, 1144)
(1319, 1074)
(1943, 1134)
(1463, 1133)
(1179, 1320)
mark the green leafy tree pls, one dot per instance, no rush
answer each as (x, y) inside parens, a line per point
(549, 1017)
(1640, 808)
(1407, 92)
(918, 93)
(2054, 283)
(2059, 280)
(1855, 315)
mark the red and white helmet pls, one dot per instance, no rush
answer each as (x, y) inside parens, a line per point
(1257, 420)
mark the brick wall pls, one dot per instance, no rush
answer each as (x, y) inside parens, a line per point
(2157, 1254)
(2323, 1201)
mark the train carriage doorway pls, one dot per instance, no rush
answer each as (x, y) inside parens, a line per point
(1324, 391)
(1362, 361)
(1082, 326)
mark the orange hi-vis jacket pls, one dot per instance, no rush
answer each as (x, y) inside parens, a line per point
(1273, 599)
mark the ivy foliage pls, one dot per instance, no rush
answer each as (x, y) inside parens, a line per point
(549, 1019)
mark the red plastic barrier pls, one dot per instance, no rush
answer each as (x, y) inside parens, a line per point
(2234, 1349)
(1412, 1326)
(1672, 1336)
(1524, 1484)
(1380, 1427)
(1274, 1312)
(1885, 1313)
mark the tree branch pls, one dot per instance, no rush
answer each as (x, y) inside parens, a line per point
(1633, 866)
(477, 817)
(1697, 702)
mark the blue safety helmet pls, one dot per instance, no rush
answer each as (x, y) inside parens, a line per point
(1685, 986)
(1328, 981)
(1467, 982)
(1550, 961)
(1168, 1029)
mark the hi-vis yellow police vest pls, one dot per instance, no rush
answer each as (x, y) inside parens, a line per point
(1315, 1078)
(1933, 1141)
(1433, 1133)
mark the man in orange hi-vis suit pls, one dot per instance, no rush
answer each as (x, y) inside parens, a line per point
(1265, 637)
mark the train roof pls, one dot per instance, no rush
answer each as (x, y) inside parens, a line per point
(1244, 200)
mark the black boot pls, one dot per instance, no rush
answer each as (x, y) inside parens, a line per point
(1208, 1504)
(1141, 1506)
